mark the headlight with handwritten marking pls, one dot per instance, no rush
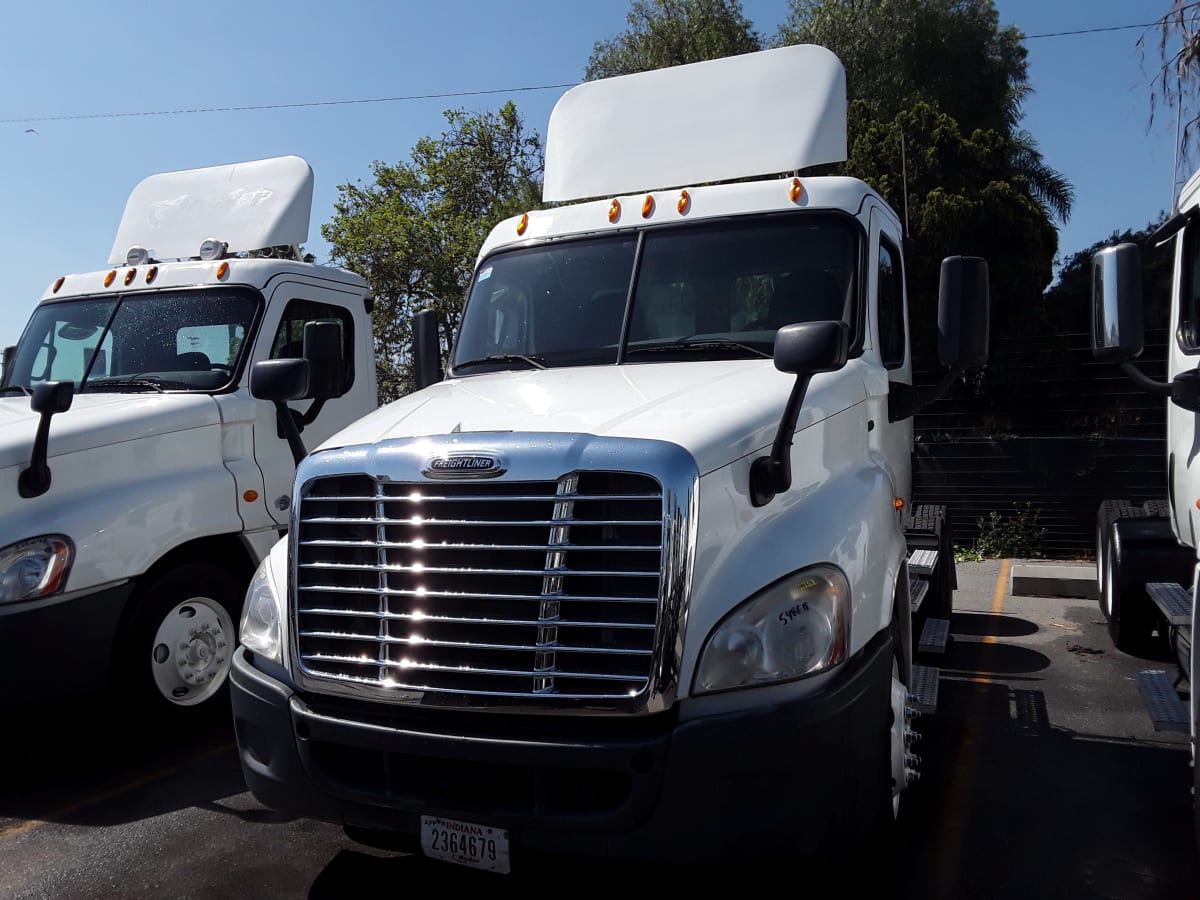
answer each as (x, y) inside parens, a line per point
(798, 626)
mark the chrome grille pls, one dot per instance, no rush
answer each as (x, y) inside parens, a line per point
(486, 589)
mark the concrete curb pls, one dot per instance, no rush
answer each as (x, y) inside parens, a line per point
(1053, 580)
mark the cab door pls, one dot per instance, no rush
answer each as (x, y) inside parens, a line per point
(289, 306)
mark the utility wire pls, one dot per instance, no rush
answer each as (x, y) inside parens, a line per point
(438, 96)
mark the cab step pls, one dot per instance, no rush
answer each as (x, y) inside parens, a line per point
(1173, 600)
(923, 693)
(917, 588)
(922, 562)
(1167, 711)
(934, 635)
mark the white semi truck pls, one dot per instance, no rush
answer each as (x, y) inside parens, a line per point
(1146, 553)
(640, 575)
(140, 482)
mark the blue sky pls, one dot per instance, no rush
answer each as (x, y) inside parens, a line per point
(62, 188)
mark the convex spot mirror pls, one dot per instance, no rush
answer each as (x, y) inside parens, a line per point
(280, 380)
(810, 347)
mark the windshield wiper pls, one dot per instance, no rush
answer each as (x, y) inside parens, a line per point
(534, 362)
(119, 384)
(16, 389)
(709, 344)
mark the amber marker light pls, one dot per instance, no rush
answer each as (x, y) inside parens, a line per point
(58, 282)
(151, 274)
(110, 277)
(898, 502)
(250, 496)
(647, 206)
(522, 223)
(130, 275)
(795, 189)
(222, 270)
(684, 203)
(614, 210)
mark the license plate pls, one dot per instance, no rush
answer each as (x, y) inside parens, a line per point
(465, 843)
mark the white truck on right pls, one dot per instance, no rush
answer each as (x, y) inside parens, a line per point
(1146, 554)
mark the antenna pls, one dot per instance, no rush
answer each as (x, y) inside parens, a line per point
(1175, 162)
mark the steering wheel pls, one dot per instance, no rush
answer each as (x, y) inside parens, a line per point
(221, 367)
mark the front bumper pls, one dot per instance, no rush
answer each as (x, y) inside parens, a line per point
(54, 650)
(796, 777)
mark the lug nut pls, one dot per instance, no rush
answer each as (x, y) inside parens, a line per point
(911, 759)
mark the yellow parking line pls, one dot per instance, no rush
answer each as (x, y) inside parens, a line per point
(64, 811)
(959, 777)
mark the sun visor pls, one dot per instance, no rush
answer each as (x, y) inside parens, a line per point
(249, 206)
(764, 113)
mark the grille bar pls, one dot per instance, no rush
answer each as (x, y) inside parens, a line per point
(465, 645)
(463, 570)
(393, 592)
(460, 620)
(476, 498)
(458, 670)
(471, 523)
(422, 545)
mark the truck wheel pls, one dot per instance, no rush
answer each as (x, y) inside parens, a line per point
(1131, 615)
(888, 811)
(180, 641)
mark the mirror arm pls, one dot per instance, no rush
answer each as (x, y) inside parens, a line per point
(286, 426)
(310, 414)
(35, 480)
(771, 475)
(1145, 382)
(905, 400)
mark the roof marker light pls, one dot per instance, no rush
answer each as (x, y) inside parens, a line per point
(110, 277)
(647, 206)
(684, 203)
(129, 276)
(522, 223)
(223, 270)
(795, 190)
(58, 282)
(151, 274)
(212, 249)
(137, 256)
(614, 210)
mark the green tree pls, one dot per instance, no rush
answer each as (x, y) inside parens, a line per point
(1177, 80)
(415, 231)
(664, 33)
(951, 54)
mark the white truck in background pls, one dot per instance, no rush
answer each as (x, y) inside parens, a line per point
(140, 482)
(1147, 554)
(641, 577)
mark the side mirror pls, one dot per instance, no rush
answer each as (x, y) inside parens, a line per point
(49, 398)
(1117, 319)
(323, 350)
(427, 349)
(803, 349)
(963, 312)
(279, 380)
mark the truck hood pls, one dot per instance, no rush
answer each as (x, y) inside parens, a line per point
(97, 420)
(718, 411)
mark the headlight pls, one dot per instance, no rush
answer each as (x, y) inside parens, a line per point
(797, 626)
(34, 568)
(259, 630)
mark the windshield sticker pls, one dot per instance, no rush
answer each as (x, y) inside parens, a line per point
(485, 274)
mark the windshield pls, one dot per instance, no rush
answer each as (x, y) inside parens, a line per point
(169, 341)
(714, 291)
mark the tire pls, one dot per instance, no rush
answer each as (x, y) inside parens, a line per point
(176, 652)
(1132, 617)
(887, 814)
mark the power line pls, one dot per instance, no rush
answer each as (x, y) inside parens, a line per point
(265, 106)
(1050, 34)
(437, 96)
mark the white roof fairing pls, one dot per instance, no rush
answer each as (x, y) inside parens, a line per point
(756, 114)
(249, 205)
